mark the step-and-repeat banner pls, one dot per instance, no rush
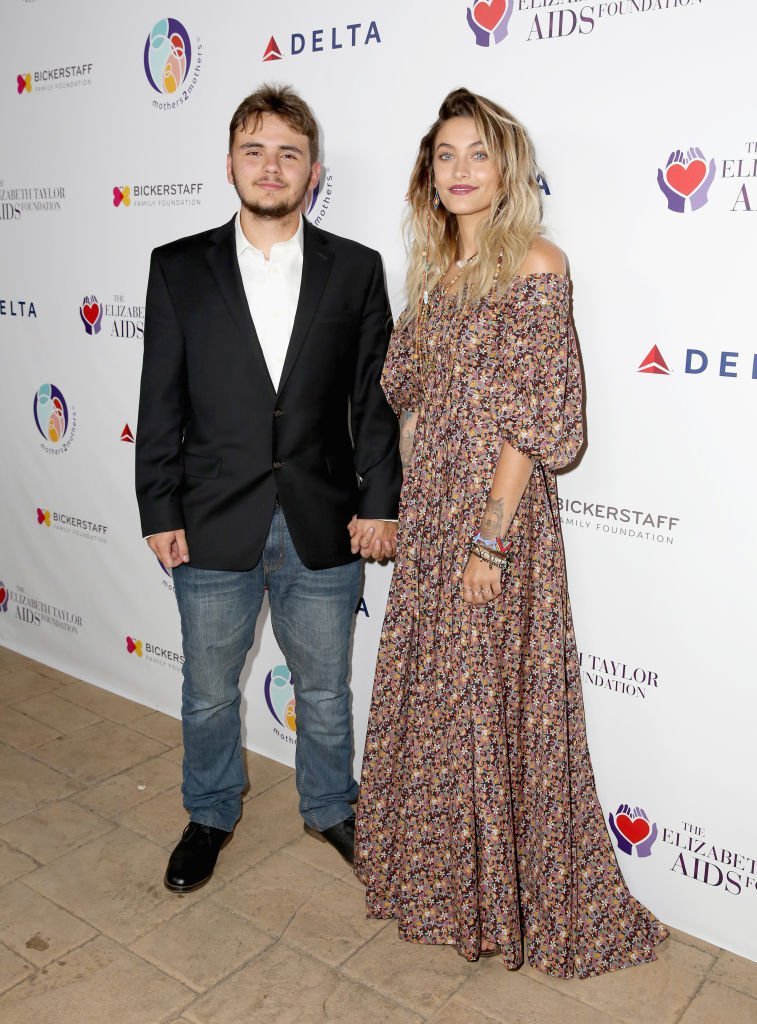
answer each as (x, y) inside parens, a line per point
(114, 137)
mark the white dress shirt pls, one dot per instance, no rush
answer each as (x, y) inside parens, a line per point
(272, 287)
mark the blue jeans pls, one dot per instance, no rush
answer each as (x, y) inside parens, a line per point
(312, 612)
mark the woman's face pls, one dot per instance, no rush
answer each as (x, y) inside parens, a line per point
(465, 177)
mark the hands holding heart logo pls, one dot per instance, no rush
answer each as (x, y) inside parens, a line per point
(3, 598)
(633, 830)
(489, 20)
(686, 176)
(91, 314)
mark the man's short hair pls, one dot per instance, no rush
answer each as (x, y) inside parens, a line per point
(283, 102)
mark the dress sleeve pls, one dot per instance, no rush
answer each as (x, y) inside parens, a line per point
(399, 378)
(541, 411)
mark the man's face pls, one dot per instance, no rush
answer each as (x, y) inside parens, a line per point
(269, 165)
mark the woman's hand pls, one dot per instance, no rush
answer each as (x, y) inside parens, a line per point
(481, 582)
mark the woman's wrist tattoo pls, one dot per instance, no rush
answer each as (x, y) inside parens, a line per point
(492, 525)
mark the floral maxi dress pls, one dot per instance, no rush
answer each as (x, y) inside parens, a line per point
(478, 815)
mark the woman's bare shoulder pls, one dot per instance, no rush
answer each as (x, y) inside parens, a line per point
(543, 257)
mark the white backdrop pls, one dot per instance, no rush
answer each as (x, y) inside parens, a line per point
(98, 166)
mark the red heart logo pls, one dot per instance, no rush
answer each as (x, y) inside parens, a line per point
(635, 830)
(3, 596)
(489, 14)
(117, 196)
(90, 312)
(685, 180)
(130, 645)
(20, 83)
(40, 516)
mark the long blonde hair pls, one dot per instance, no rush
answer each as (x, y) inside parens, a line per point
(514, 218)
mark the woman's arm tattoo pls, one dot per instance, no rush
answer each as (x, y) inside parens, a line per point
(407, 430)
(492, 525)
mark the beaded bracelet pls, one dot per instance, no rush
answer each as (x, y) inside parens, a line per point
(495, 544)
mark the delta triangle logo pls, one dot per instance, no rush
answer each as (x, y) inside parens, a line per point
(126, 434)
(272, 51)
(653, 362)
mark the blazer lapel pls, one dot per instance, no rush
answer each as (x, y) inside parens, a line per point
(222, 257)
(317, 259)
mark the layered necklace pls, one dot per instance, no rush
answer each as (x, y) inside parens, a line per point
(425, 356)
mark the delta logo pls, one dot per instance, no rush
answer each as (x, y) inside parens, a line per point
(698, 362)
(134, 646)
(23, 83)
(43, 516)
(322, 40)
(686, 178)
(91, 313)
(279, 696)
(127, 435)
(3, 597)
(55, 422)
(489, 21)
(168, 63)
(633, 830)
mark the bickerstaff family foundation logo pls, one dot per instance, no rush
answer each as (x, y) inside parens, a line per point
(64, 522)
(630, 523)
(279, 696)
(70, 76)
(633, 830)
(168, 63)
(175, 193)
(686, 178)
(489, 21)
(134, 646)
(155, 653)
(324, 40)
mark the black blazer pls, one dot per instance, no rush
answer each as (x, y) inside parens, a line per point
(216, 444)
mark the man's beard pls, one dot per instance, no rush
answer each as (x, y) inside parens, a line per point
(275, 212)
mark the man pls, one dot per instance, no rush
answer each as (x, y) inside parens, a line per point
(263, 435)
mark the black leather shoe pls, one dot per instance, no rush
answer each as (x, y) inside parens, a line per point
(192, 861)
(341, 837)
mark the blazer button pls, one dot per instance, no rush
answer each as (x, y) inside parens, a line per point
(278, 465)
(278, 412)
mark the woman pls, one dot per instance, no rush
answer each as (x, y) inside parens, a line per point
(479, 824)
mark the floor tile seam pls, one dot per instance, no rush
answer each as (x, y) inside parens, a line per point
(4, 992)
(561, 992)
(267, 789)
(67, 952)
(102, 778)
(439, 1009)
(38, 970)
(15, 849)
(39, 721)
(71, 849)
(337, 969)
(301, 860)
(66, 910)
(732, 988)
(336, 966)
(200, 994)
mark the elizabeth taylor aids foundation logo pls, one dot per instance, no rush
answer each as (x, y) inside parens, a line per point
(685, 180)
(489, 21)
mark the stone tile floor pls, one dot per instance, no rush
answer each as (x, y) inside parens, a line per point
(89, 810)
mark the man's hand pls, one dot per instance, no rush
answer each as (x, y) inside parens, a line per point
(171, 547)
(373, 538)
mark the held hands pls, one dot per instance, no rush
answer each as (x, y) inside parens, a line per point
(170, 548)
(373, 538)
(481, 582)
